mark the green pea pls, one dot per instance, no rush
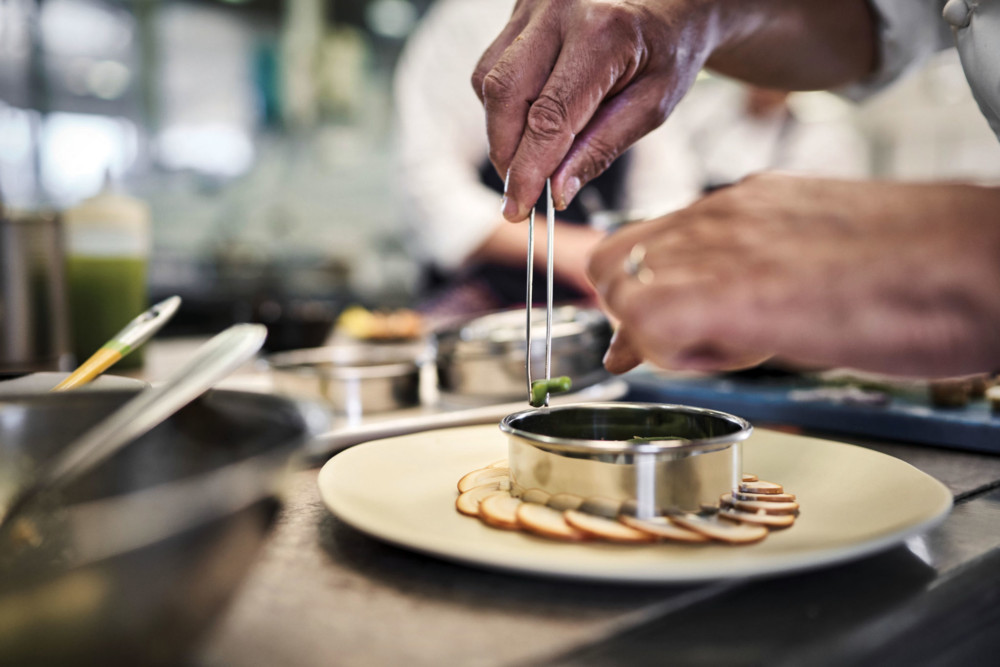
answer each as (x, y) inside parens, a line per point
(540, 388)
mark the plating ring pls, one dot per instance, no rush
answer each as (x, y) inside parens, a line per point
(635, 265)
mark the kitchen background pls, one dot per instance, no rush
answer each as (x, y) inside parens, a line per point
(261, 134)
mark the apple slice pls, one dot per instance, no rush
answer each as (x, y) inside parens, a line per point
(759, 518)
(606, 529)
(483, 476)
(468, 501)
(663, 528)
(717, 529)
(756, 506)
(765, 497)
(500, 511)
(761, 487)
(547, 522)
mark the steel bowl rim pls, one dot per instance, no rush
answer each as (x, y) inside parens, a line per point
(587, 446)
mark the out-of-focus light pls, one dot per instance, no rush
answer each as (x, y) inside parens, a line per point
(391, 18)
(77, 150)
(15, 18)
(15, 135)
(108, 79)
(74, 75)
(219, 150)
(82, 28)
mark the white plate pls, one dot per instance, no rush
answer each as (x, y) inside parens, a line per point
(854, 502)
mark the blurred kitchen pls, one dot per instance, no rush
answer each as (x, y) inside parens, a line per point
(261, 135)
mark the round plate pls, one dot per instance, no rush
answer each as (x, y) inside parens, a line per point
(854, 502)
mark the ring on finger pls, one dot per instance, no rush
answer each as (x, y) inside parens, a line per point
(635, 265)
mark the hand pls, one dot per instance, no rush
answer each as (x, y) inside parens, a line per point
(568, 86)
(581, 81)
(892, 278)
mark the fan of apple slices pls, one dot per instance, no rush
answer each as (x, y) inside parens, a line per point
(743, 516)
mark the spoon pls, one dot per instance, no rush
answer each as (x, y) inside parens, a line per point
(212, 362)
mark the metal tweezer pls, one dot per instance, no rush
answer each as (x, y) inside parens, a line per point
(550, 219)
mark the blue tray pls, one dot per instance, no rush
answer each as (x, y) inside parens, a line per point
(776, 400)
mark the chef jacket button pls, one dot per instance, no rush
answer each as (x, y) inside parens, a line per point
(957, 13)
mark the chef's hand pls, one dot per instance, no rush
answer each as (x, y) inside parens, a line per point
(893, 278)
(569, 85)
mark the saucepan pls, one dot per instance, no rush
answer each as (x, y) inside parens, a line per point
(354, 379)
(134, 559)
(483, 358)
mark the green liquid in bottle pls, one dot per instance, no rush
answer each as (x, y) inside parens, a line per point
(105, 294)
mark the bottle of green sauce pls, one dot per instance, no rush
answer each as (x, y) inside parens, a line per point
(108, 240)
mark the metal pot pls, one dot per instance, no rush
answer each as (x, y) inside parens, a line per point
(484, 357)
(644, 458)
(135, 559)
(354, 379)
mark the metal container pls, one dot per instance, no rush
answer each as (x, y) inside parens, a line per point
(34, 320)
(134, 560)
(643, 458)
(484, 357)
(354, 379)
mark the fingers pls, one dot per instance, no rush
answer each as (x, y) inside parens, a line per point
(539, 95)
(621, 355)
(617, 124)
(508, 90)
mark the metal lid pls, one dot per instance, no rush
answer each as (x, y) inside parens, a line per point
(503, 333)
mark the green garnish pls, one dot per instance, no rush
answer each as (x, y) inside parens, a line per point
(541, 388)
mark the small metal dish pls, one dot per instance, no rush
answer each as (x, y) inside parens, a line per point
(484, 357)
(353, 379)
(641, 458)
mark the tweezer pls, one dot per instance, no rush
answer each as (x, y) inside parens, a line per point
(550, 219)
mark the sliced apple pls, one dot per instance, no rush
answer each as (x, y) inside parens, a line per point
(606, 529)
(721, 530)
(767, 507)
(761, 487)
(468, 501)
(758, 518)
(663, 528)
(500, 511)
(547, 522)
(483, 476)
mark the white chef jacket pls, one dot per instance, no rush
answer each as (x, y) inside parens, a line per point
(911, 30)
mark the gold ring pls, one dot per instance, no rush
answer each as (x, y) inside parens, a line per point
(635, 265)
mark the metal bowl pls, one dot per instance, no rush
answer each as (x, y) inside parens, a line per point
(644, 458)
(484, 357)
(132, 562)
(353, 379)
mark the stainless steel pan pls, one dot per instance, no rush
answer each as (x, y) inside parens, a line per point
(140, 554)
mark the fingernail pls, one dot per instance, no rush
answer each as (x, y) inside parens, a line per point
(509, 209)
(503, 204)
(569, 190)
(506, 180)
(611, 356)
